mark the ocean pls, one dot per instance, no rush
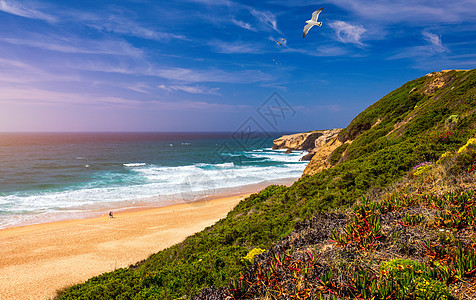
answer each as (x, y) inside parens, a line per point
(55, 176)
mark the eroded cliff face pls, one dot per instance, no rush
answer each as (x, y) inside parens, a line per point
(319, 144)
(298, 141)
(439, 80)
(308, 141)
(320, 159)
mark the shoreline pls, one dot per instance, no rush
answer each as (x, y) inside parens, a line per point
(140, 204)
(38, 260)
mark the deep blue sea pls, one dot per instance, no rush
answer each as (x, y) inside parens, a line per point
(53, 176)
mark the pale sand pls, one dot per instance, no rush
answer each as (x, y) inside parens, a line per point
(37, 260)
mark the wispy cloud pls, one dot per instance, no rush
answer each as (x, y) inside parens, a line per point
(213, 75)
(39, 96)
(124, 26)
(434, 41)
(242, 24)
(213, 2)
(402, 13)
(198, 106)
(196, 89)
(140, 88)
(178, 75)
(18, 9)
(465, 62)
(76, 45)
(416, 12)
(32, 96)
(235, 47)
(434, 46)
(16, 71)
(320, 51)
(319, 108)
(16, 64)
(266, 18)
(348, 33)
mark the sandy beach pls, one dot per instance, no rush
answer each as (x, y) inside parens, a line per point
(38, 260)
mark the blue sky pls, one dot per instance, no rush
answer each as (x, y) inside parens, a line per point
(203, 65)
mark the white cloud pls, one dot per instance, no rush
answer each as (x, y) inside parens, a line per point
(320, 108)
(128, 27)
(235, 47)
(17, 9)
(434, 41)
(140, 88)
(243, 24)
(213, 2)
(178, 75)
(16, 64)
(39, 96)
(76, 45)
(382, 15)
(267, 18)
(418, 12)
(320, 51)
(197, 89)
(212, 75)
(433, 47)
(16, 71)
(348, 33)
(198, 105)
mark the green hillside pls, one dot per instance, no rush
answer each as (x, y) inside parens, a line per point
(413, 126)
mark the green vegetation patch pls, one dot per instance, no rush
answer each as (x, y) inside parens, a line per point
(337, 154)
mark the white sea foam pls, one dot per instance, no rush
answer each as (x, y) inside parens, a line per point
(134, 164)
(273, 156)
(148, 181)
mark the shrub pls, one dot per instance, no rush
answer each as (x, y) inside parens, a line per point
(451, 121)
(251, 255)
(412, 282)
(471, 142)
(337, 154)
(422, 168)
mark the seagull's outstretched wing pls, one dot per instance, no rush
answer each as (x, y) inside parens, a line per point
(306, 30)
(316, 14)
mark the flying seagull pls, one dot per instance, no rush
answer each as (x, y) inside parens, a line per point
(283, 41)
(312, 22)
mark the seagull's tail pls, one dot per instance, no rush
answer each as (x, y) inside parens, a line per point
(319, 24)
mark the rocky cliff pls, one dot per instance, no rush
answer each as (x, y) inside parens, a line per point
(320, 158)
(298, 141)
(310, 141)
(420, 97)
(321, 143)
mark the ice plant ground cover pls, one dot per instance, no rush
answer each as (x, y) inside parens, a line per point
(442, 262)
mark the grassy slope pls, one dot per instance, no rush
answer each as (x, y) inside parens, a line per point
(418, 241)
(375, 159)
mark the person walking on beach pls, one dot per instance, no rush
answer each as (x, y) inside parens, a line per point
(111, 215)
